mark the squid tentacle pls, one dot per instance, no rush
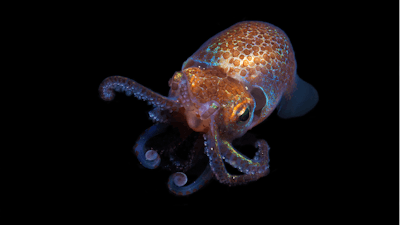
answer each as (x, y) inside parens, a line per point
(248, 166)
(118, 83)
(203, 179)
(213, 147)
(148, 158)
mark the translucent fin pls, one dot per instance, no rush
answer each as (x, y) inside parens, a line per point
(303, 99)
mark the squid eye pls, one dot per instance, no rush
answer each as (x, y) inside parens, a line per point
(245, 115)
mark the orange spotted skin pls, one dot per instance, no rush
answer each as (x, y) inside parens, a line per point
(254, 53)
(213, 84)
(248, 49)
(202, 83)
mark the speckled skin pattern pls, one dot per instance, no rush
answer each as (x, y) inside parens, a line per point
(230, 84)
(252, 52)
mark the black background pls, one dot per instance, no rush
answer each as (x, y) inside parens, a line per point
(320, 165)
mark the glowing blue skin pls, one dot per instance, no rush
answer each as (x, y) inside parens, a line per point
(140, 151)
(304, 98)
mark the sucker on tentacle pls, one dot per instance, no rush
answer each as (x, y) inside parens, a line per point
(156, 116)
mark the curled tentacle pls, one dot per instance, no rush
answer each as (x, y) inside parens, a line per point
(148, 158)
(118, 83)
(259, 164)
(213, 146)
(191, 188)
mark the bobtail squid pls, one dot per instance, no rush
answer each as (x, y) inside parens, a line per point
(232, 83)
